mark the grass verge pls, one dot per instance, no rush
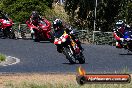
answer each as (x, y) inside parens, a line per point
(2, 57)
(48, 85)
(50, 81)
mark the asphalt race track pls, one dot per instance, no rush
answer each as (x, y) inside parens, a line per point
(43, 57)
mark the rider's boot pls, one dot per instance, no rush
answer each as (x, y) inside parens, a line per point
(118, 45)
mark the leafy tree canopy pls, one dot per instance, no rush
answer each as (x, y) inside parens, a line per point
(20, 10)
(108, 12)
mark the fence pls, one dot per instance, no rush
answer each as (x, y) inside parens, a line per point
(103, 38)
(96, 37)
(21, 31)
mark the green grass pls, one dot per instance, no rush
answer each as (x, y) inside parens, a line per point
(2, 57)
(48, 85)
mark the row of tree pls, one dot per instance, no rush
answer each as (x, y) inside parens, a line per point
(82, 12)
(20, 10)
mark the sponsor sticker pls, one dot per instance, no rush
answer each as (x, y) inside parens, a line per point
(83, 78)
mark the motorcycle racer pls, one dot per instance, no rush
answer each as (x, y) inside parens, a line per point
(119, 32)
(34, 20)
(6, 26)
(37, 22)
(58, 27)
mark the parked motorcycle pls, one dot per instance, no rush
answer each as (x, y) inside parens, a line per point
(42, 32)
(68, 47)
(6, 28)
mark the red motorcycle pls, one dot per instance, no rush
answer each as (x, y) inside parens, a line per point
(69, 47)
(6, 28)
(42, 31)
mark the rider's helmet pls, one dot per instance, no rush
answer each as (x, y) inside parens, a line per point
(3, 16)
(57, 24)
(35, 15)
(119, 24)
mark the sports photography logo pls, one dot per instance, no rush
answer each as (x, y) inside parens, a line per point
(83, 78)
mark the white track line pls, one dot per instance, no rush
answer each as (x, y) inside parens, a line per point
(17, 60)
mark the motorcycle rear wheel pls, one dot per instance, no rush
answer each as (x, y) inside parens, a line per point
(129, 46)
(81, 59)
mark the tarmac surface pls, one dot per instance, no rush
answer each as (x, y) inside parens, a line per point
(41, 57)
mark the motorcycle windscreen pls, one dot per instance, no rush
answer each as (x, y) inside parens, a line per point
(59, 33)
(43, 23)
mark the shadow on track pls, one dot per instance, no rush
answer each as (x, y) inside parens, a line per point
(44, 42)
(125, 54)
(73, 64)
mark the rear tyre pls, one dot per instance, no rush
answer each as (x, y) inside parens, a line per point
(129, 46)
(69, 55)
(81, 59)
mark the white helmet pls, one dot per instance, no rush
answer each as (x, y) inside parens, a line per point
(119, 23)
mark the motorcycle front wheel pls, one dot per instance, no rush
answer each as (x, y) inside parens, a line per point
(35, 38)
(69, 55)
(51, 39)
(12, 35)
(9, 33)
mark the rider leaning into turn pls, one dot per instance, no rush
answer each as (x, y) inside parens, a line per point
(119, 31)
(58, 26)
(5, 20)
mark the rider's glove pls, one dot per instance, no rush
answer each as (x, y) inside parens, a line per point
(72, 32)
(122, 39)
(128, 39)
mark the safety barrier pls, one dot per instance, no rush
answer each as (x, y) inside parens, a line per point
(21, 31)
(96, 37)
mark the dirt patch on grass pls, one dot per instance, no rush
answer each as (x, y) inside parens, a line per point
(37, 78)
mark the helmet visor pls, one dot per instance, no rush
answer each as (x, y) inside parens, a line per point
(118, 25)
